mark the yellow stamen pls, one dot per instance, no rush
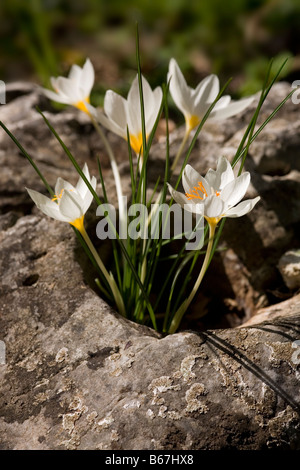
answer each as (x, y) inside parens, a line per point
(136, 142)
(82, 105)
(59, 196)
(55, 198)
(192, 122)
(194, 194)
(78, 223)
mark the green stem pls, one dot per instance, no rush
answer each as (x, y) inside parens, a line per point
(108, 277)
(185, 304)
(144, 241)
(180, 150)
(115, 170)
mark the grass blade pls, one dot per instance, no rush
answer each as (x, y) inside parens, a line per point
(23, 151)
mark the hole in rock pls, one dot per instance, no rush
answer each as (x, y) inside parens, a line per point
(31, 280)
(234, 288)
(214, 306)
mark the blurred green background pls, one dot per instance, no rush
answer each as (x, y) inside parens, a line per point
(233, 38)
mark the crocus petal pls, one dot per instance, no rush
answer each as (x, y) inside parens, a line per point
(234, 191)
(87, 78)
(70, 205)
(211, 177)
(222, 103)
(88, 197)
(147, 95)
(224, 172)
(69, 89)
(46, 205)
(52, 210)
(55, 96)
(152, 102)
(115, 109)
(177, 196)
(222, 176)
(151, 110)
(191, 178)
(134, 119)
(53, 82)
(133, 96)
(179, 90)
(81, 187)
(180, 198)
(106, 122)
(93, 111)
(232, 109)
(242, 208)
(207, 91)
(37, 197)
(213, 206)
(75, 74)
(61, 185)
(195, 208)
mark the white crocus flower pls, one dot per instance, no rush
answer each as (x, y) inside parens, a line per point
(195, 102)
(120, 113)
(216, 195)
(74, 90)
(70, 203)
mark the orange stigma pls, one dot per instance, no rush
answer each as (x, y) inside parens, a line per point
(198, 192)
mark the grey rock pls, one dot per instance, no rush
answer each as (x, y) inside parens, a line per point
(289, 267)
(79, 376)
(287, 308)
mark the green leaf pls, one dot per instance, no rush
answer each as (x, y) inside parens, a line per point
(23, 151)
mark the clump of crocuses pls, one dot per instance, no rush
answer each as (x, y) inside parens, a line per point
(127, 281)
